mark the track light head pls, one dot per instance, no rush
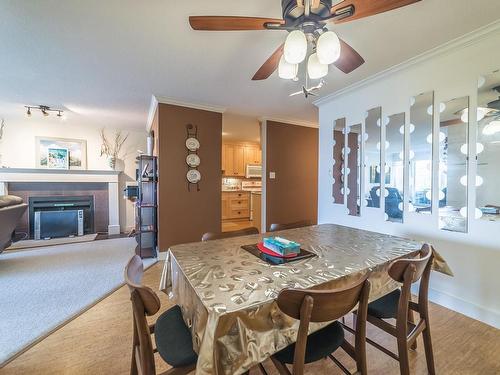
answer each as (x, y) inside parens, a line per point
(28, 112)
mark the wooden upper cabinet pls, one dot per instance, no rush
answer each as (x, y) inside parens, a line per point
(235, 158)
(239, 161)
(252, 155)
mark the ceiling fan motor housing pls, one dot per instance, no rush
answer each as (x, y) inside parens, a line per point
(293, 13)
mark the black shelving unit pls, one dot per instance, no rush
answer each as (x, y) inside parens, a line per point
(146, 207)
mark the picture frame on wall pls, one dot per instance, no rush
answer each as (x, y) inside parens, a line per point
(76, 149)
(57, 158)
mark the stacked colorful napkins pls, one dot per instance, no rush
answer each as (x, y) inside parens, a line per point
(282, 246)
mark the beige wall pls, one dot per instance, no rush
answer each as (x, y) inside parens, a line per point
(18, 149)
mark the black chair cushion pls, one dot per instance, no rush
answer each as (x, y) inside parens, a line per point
(173, 339)
(385, 307)
(319, 344)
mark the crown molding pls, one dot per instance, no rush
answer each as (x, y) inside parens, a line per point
(155, 100)
(307, 124)
(451, 46)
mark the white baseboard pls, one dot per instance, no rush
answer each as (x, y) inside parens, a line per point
(466, 308)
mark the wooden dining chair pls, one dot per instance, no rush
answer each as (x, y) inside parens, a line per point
(323, 306)
(173, 338)
(294, 225)
(235, 233)
(398, 305)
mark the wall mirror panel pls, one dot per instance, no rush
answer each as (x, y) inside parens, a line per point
(372, 155)
(453, 164)
(338, 169)
(394, 169)
(353, 170)
(420, 153)
(488, 148)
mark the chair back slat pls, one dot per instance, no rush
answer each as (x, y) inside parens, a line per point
(235, 233)
(327, 304)
(398, 268)
(145, 302)
(294, 225)
(133, 278)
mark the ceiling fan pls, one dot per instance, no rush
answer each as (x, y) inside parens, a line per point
(306, 21)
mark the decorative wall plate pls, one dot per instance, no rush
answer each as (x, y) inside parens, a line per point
(193, 176)
(193, 160)
(192, 144)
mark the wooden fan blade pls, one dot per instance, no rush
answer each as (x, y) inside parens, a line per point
(270, 65)
(366, 8)
(228, 23)
(349, 59)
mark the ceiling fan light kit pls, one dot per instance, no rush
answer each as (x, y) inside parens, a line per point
(328, 48)
(296, 47)
(315, 69)
(287, 70)
(306, 21)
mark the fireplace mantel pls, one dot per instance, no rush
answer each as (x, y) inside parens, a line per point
(39, 175)
(55, 175)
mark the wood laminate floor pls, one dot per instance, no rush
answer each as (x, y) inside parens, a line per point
(228, 226)
(99, 342)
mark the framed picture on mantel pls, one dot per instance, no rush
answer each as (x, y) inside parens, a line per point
(77, 151)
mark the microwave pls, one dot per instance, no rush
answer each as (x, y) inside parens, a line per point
(253, 171)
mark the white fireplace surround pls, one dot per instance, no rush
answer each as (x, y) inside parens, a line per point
(111, 178)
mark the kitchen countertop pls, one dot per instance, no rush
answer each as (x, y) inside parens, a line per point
(241, 191)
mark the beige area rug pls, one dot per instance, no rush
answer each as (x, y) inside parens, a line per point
(27, 244)
(43, 288)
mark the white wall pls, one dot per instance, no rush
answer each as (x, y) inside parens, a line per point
(451, 72)
(18, 149)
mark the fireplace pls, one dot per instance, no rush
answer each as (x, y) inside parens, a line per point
(60, 216)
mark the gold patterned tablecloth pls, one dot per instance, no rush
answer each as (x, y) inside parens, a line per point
(228, 296)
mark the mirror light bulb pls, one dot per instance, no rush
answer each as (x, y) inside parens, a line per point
(295, 50)
(328, 48)
(478, 214)
(442, 137)
(492, 128)
(442, 108)
(479, 148)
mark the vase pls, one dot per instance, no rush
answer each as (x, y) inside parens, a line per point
(112, 162)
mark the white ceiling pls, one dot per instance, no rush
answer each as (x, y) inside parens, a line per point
(102, 60)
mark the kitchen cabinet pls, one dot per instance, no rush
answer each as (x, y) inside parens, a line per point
(236, 156)
(252, 155)
(256, 213)
(235, 205)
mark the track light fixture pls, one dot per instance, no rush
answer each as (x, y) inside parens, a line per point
(44, 109)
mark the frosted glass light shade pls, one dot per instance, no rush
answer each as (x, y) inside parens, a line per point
(328, 48)
(287, 70)
(295, 47)
(315, 69)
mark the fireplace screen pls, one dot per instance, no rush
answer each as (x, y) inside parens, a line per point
(52, 217)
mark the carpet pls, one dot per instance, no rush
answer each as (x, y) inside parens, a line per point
(44, 288)
(25, 244)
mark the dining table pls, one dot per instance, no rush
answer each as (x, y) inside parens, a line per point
(228, 295)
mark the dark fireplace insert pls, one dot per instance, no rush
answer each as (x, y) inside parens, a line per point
(60, 216)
